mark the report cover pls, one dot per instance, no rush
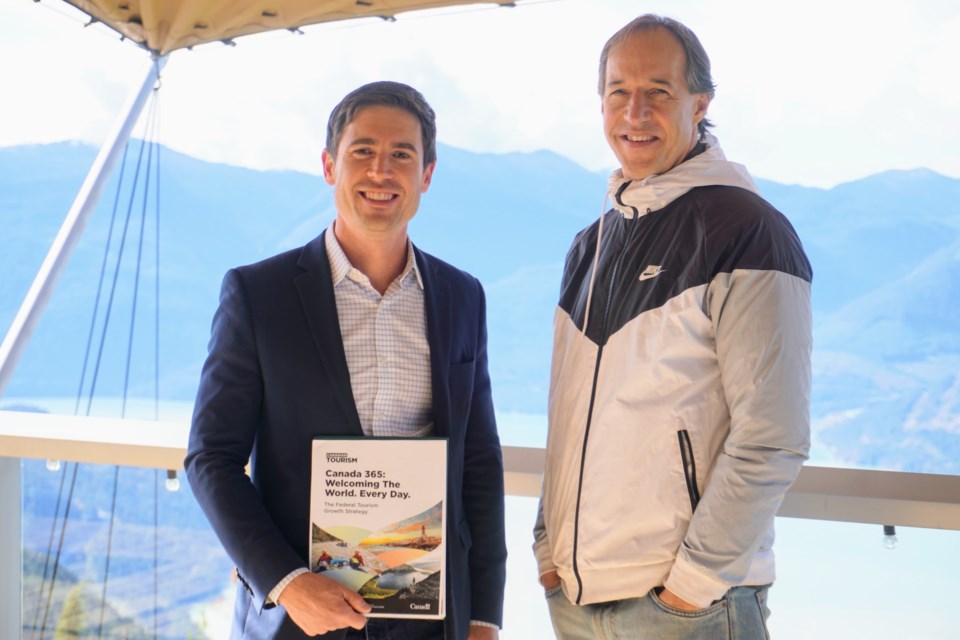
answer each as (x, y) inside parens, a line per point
(377, 521)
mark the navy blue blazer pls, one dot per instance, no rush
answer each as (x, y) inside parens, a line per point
(276, 376)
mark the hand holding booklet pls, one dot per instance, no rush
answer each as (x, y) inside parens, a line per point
(377, 521)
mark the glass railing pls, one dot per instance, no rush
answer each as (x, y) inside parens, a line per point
(159, 572)
(835, 580)
(142, 565)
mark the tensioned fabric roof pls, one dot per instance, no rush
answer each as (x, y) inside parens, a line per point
(163, 26)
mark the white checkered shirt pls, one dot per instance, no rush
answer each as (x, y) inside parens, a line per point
(388, 357)
(385, 341)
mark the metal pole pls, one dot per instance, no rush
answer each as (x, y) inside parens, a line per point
(35, 302)
(11, 569)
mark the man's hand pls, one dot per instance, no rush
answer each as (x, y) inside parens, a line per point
(671, 599)
(550, 580)
(481, 632)
(318, 604)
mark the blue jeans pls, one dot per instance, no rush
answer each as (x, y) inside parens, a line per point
(740, 615)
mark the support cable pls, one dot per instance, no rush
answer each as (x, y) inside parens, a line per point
(34, 303)
(129, 355)
(12, 347)
(56, 562)
(103, 273)
(156, 552)
(106, 565)
(73, 479)
(156, 380)
(113, 285)
(93, 385)
(96, 372)
(46, 562)
(83, 373)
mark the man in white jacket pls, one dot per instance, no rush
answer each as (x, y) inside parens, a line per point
(680, 382)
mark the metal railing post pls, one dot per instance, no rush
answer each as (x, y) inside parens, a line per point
(11, 566)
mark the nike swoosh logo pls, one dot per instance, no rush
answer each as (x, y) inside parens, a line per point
(651, 271)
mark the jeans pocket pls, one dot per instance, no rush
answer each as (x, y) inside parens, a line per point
(761, 596)
(719, 605)
(549, 593)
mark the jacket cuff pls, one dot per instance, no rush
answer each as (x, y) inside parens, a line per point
(541, 549)
(541, 544)
(696, 587)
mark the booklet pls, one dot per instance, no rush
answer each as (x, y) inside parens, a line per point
(378, 520)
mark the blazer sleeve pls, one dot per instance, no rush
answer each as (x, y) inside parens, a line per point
(226, 418)
(483, 490)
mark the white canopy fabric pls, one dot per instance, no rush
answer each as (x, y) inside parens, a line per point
(163, 26)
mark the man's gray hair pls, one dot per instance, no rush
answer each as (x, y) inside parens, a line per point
(384, 94)
(699, 79)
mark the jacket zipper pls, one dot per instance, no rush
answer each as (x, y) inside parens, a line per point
(689, 468)
(593, 388)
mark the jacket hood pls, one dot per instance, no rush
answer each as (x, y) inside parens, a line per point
(709, 168)
(640, 197)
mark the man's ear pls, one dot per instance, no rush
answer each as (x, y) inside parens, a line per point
(328, 169)
(703, 102)
(427, 176)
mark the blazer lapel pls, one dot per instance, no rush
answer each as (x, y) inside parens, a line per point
(439, 325)
(315, 286)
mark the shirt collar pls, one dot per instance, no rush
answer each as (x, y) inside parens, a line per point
(340, 266)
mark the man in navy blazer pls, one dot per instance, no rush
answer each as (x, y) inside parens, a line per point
(288, 362)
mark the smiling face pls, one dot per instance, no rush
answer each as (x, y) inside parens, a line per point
(649, 116)
(378, 173)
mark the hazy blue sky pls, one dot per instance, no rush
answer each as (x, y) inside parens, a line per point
(815, 93)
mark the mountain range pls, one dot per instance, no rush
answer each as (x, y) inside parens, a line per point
(885, 252)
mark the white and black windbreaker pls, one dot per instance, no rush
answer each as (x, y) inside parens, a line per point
(680, 388)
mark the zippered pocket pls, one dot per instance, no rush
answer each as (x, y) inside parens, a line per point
(689, 468)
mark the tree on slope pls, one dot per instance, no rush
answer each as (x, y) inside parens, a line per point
(73, 619)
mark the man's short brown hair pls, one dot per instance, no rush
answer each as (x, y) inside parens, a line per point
(384, 94)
